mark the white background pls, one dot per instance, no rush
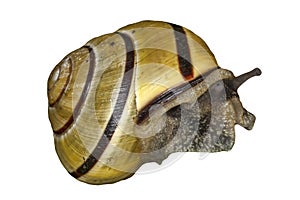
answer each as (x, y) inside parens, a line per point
(264, 163)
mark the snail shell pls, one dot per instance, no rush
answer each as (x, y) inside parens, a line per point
(137, 95)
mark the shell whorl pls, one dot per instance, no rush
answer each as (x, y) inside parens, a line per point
(58, 81)
(97, 93)
(68, 90)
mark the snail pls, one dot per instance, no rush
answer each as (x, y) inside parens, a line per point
(138, 95)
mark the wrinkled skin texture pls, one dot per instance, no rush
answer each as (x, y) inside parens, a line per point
(206, 125)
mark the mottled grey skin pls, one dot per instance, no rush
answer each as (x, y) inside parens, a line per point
(206, 125)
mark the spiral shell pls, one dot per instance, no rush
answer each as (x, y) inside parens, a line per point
(115, 101)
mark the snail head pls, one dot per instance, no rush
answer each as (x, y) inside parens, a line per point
(226, 110)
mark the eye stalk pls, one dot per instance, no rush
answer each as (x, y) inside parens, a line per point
(235, 83)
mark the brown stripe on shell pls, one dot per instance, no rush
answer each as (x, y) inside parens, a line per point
(69, 62)
(84, 93)
(93, 158)
(170, 95)
(183, 51)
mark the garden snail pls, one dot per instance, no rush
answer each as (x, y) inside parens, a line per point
(136, 96)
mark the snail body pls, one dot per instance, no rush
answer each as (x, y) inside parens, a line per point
(136, 96)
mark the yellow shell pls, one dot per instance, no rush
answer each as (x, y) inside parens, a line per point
(101, 96)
